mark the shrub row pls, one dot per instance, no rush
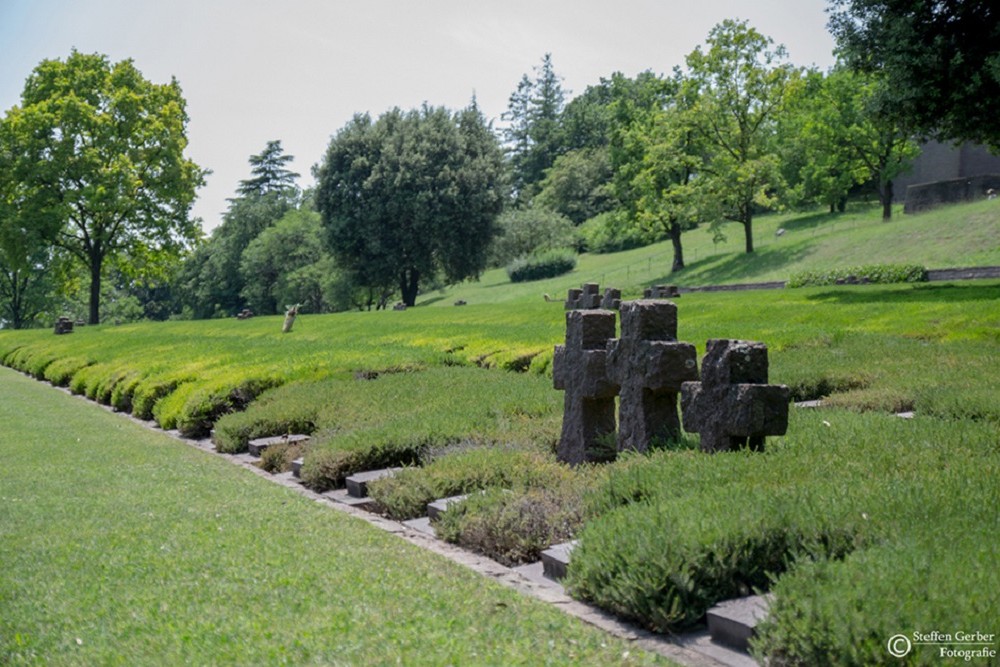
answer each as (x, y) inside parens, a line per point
(672, 535)
(871, 273)
(399, 418)
(405, 495)
(547, 264)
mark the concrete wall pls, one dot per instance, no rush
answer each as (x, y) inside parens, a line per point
(922, 197)
(944, 162)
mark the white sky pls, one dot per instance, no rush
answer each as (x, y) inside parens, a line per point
(297, 70)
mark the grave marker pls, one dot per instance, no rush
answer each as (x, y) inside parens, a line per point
(733, 406)
(649, 365)
(578, 367)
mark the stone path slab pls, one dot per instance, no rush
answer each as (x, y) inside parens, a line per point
(732, 622)
(439, 507)
(258, 446)
(357, 484)
(555, 560)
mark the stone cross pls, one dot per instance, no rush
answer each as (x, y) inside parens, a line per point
(578, 367)
(649, 365)
(586, 298)
(661, 292)
(733, 406)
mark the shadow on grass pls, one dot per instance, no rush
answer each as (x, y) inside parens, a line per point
(736, 268)
(917, 293)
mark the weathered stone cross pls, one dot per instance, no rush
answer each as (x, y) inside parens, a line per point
(578, 367)
(733, 406)
(649, 365)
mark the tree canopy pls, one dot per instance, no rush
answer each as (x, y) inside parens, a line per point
(110, 145)
(940, 58)
(412, 194)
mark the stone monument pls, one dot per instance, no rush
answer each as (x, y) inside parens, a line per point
(649, 366)
(733, 406)
(579, 368)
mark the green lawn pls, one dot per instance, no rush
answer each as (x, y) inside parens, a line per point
(123, 546)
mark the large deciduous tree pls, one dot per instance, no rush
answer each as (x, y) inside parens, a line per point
(742, 83)
(110, 145)
(940, 60)
(411, 195)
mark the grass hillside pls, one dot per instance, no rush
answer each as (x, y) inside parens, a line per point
(953, 236)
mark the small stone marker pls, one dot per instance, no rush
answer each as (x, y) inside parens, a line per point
(586, 298)
(555, 560)
(439, 507)
(661, 292)
(290, 315)
(256, 447)
(612, 299)
(649, 365)
(357, 484)
(297, 467)
(733, 622)
(733, 406)
(64, 325)
(578, 367)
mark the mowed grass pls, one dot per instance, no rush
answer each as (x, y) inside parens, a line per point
(122, 546)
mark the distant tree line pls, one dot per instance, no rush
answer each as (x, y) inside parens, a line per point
(95, 191)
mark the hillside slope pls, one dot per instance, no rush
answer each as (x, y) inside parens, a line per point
(955, 236)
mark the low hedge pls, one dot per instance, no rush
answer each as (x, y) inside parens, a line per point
(514, 526)
(855, 275)
(673, 534)
(406, 494)
(548, 264)
(402, 418)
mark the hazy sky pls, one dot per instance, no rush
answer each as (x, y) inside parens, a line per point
(297, 70)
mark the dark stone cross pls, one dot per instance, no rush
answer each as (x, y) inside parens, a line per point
(578, 367)
(733, 406)
(588, 297)
(649, 365)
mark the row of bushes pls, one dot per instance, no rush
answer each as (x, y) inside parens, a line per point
(884, 274)
(399, 418)
(834, 513)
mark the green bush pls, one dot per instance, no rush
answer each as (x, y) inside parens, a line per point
(872, 273)
(546, 264)
(677, 532)
(60, 372)
(208, 403)
(514, 526)
(405, 495)
(613, 232)
(523, 232)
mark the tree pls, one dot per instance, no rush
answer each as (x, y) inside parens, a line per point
(940, 60)
(29, 224)
(845, 135)
(411, 195)
(110, 144)
(279, 266)
(212, 284)
(534, 135)
(742, 86)
(269, 173)
(579, 184)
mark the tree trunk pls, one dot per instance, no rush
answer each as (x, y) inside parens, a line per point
(675, 239)
(95, 289)
(842, 204)
(408, 279)
(886, 195)
(748, 229)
